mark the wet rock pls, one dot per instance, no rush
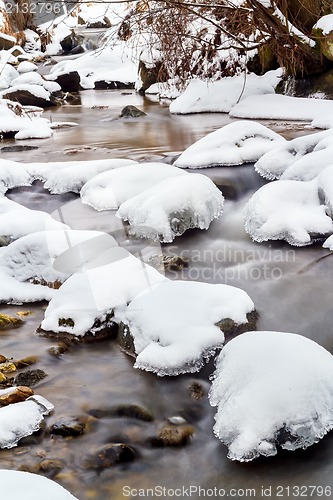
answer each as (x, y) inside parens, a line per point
(110, 455)
(67, 426)
(2, 358)
(23, 314)
(113, 85)
(131, 112)
(17, 149)
(171, 435)
(59, 349)
(28, 361)
(129, 410)
(26, 98)
(30, 377)
(69, 82)
(7, 321)
(148, 75)
(51, 466)
(103, 23)
(231, 329)
(70, 42)
(16, 396)
(165, 263)
(77, 50)
(177, 420)
(6, 41)
(126, 341)
(8, 367)
(3, 378)
(197, 391)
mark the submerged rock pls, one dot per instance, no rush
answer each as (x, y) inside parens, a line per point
(67, 426)
(15, 395)
(131, 112)
(7, 321)
(272, 390)
(30, 377)
(110, 455)
(173, 435)
(129, 410)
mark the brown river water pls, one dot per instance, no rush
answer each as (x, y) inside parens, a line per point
(292, 290)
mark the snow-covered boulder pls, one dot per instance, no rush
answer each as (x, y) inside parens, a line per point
(7, 74)
(33, 78)
(281, 107)
(15, 119)
(30, 95)
(109, 190)
(309, 166)
(325, 188)
(22, 419)
(12, 175)
(234, 144)
(271, 390)
(18, 484)
(87, 304)
(17, 221)
(171, 207)
(26, 67)
(287, 210)
(274, 163)
(222, 95)
(176, 326)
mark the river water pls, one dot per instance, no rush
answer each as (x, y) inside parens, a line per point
(292, 290)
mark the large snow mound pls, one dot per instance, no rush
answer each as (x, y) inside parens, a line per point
(273, 164)
(22, 419)
(174, 324)
(90, 298)
(234, 144)
(222, 95)
(287, 210)
(108, 190)
(171, 207)
(271, 389)
(281, 107)
(17, 221)
(18, 484)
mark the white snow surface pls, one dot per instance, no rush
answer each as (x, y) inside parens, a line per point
(234, 144)
(222, 95)
(33, 78)
(94, 294)
(287, 210)
(172, 206)
(22, 122)
(108, 190)
(26, 67)
(325, 24)
(22, 419)
(281, 107)
(17, 221)
(173, 324)
(35, 90)
(7, 74)
(273, 164)
(18, 484)
(310, 165)
(267, 384)
(325, 188)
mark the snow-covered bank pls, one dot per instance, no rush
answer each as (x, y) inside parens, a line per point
(18, 484)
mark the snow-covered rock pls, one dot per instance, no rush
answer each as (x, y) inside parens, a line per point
(172, 206)
(7, 74)
(26, 67)
(274, 163)
(33, 78)
(108, 190)
(325, 188)
(18, 484)
(287, 210)
(15, 119)
(12, 175)
(234, 144)
(309, 166)
(174, 325)
(86, 302)
(271, 389)
(281, 107)
(22, 419)
(222, 95)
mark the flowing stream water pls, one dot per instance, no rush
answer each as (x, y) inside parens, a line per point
(291, 288)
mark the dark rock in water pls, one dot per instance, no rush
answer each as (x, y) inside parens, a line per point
(77, 50)
(168, 262)
(26, 98)
(107, 330)
(104, 23)
(113, 85)
(59, 349)
(70, 42)
(321, 85)
(28, 361)
(17, 149)
(196, 390)
(67, 426)
(129, 410)
(69, 82)
(110, 455)
(30, 377)
(131, 112)
(231, 329)
(171, 435)
(126, 340)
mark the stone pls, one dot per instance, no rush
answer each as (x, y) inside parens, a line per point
(59, 349)
(113, 85)
(6, 41)
(129, 410)
(18, 394)
(131, 112)
(2, 358)
(177, 420)
(67, 426)
(30, 377)
(164, 263)
(51, 466)
(148, 76)
(7, 321)
(3, 378)
(28, 361)
(8, 367)
(104, 23)
(171, 435)
(231, 329)
(17, 149)
(69, 82)
(110, 455)
(197, 391)
(26, 98)
(71, 41)
(324, 42)
(23, 314)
